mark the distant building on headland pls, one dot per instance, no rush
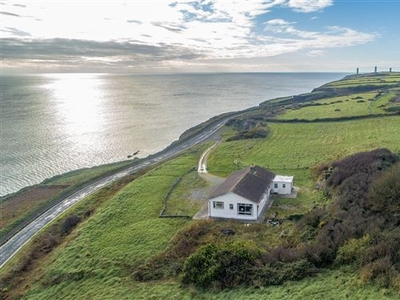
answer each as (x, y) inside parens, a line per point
(375, 70)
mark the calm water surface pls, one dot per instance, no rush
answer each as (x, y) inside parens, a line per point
(54, 123)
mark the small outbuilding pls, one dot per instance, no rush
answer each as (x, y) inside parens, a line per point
(282, 185)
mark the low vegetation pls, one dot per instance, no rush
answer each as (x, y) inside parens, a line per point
(248, 127)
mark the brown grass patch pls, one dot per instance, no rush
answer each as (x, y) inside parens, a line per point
(15, 206)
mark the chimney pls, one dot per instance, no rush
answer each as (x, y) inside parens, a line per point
(376, 69)
(358, 71)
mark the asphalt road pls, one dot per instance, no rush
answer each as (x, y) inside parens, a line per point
(14, 244)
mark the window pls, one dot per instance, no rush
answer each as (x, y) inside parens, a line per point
(218, 204)
(275, 185)
(283, 185)
(245, 209)
(230, 206)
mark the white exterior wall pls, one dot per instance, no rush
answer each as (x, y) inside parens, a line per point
(282, 186)
(231, 198)
(264, 200)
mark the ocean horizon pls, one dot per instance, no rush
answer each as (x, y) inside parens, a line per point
(59, 122)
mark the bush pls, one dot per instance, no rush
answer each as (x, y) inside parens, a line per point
(170, 262)
(281, 254)
(352, 250)
(221, 266)
(69, 224)
(258, 132)
(384, 194)
(368, 163)
(281, 272)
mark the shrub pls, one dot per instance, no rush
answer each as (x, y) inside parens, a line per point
(322, 252)
(281, 254)
(279, 273)
(352, 250)
(170, 262)
(379, 269)
(221, 266)
(384, 194)
(258, 132)
(365, 162)
(69, 224)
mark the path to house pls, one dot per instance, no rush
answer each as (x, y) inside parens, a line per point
(202, 165)
(212, 180)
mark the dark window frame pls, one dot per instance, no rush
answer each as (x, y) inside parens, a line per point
(245, 209)
(218, 204)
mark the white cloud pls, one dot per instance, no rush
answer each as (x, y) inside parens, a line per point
(316, 53)
(334, 36)
(278, 22)
(194, 30)
(307, 6)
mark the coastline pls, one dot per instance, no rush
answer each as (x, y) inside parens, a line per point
(122, 115)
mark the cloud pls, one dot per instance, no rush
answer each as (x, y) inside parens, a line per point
(8, 14)
(181, 32)
(64, 52)
(307, 6)
(15, 32)
(316, 53)
(333, 36)
(279, 22)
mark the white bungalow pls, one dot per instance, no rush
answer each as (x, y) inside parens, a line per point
(243, 195)
(282, 185)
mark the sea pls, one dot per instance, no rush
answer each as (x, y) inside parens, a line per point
(55, 123)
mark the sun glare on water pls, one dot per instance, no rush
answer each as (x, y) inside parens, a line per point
(78, 100)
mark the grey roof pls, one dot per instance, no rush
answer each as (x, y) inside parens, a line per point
(250, 183)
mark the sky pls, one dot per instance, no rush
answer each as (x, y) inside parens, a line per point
(168, 36)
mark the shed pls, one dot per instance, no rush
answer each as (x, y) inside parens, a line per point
(282, 185)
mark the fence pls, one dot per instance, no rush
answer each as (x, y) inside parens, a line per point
(168, 194)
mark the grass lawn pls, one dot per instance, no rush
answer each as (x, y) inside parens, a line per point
(188, 196)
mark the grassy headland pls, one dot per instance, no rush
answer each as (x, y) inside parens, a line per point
(123, 250)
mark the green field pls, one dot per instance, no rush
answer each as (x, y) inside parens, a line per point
(380, 79)
(99, 258)
(303, 145)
